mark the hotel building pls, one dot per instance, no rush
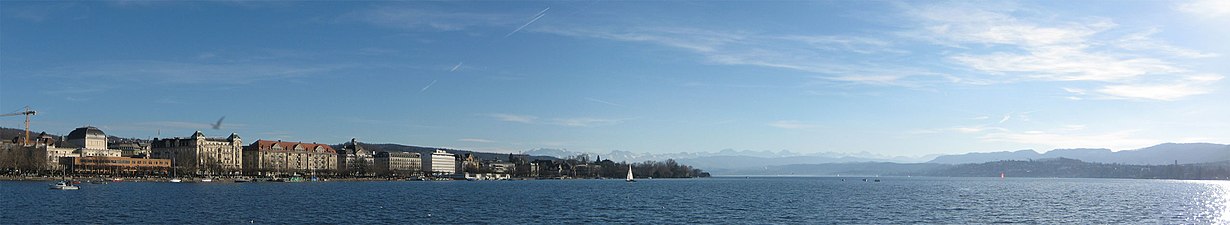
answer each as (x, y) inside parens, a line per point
(398, 163)
(267, 158)
(201, 155)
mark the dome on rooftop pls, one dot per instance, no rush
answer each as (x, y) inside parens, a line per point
(87, 131)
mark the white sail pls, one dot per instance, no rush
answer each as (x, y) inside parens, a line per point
(630, 173)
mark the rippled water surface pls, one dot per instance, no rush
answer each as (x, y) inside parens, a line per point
(712, 200)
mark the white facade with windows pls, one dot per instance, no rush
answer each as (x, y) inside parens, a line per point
(439, 163)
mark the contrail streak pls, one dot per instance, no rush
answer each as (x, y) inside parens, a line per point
(539, 15)
(433, 82)
(603, 102)
(456, 67)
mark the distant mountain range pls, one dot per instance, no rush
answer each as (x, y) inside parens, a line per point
(1160, 154)
(729, 159)
(732, 162)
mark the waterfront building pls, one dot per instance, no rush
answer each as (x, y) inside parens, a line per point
(131, 148)
(46, 152)
(201, 155)
(41, 156)
(354, 160)
(116, 165)
(467, 163)
(270, 158)
(439, 163)
(546, 168)
(498, 167)
(398, 163)
(90, 141)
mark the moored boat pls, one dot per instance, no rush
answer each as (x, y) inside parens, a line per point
(64, 186)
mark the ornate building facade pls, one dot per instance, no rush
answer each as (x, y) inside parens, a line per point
(353, 160)
(90, 141)
(271, 158)
(201, 155)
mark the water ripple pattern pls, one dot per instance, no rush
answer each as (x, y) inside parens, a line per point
(806, 200)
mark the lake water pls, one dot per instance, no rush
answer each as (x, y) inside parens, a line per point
(775, 200)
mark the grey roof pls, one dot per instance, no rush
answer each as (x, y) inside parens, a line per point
(80, 133)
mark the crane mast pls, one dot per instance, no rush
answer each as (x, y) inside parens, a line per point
(27, 112)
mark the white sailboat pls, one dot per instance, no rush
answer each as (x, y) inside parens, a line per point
(630, 174)
(173, 178)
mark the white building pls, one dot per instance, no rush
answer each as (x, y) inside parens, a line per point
(439, 163)
(90, 141)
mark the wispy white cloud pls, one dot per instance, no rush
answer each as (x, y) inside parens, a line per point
(182, 124)
(585, 122)
(478, 140)
(1164, 92)
(418, 18)
(791, 124)
(568, 122)
(514, 118)
(1206, 8)
(996, 41)
(819, 54)
(603, 102)
(1070, 139)
(1144, 41)
(146, 71)
(177, 124)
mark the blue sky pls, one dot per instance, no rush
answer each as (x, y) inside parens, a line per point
(890, 78)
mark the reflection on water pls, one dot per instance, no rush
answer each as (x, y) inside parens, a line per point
(1215, 199)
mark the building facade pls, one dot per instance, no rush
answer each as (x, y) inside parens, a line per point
(201, 155)
(116, 165)
(398, 164)
(90, 141)
(353, 160)
(439, 163)
(131, 148)
(272, 158)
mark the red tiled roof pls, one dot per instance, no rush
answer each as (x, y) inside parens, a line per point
(264, 145)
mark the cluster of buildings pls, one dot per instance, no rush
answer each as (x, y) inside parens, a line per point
(86, 150)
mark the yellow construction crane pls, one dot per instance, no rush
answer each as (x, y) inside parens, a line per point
(28, 113)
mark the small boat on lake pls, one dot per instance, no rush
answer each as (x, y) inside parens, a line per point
(64, 186)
